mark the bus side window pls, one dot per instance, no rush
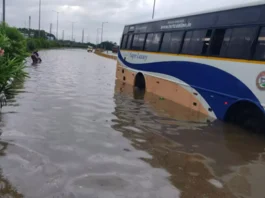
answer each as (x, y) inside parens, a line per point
(260, 47)
(176, 40)
(239, 44)
(141, 41)
(185, 48)
(148, 42)
(135, 41)
(129, 43)
(206, 42)
(165, 46)
(124, 41)
(138, 42)
(156, 42)
(217, 41)
(225, 43)
(152, 42)
(197, 42)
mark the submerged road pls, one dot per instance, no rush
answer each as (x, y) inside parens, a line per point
(72, 131)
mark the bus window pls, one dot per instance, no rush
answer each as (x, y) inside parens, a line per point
(156, 42)
(217, 41)
(185, 47)
(124, 41)
(225, 42)
(138, 41)
(206, 42)
(141, 41)
(239, 44)
(148, 42)
(165, 46)
(152, 42)
(176, 40)
(197, 42)
(260, 47)
(172, 42)
(129, 43)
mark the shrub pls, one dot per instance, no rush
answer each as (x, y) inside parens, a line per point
(12, 58)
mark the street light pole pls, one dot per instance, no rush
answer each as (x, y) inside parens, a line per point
(39, 15)
(72, 31)
(29, 25)
(73, 22)
(83, 32)
(50, 28)
(57, 26)
(154, 9)
(4, 12)
(102, 33)
(97, 38)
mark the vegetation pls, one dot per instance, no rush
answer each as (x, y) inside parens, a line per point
(107, 45)
(40, 43)
(13, 53)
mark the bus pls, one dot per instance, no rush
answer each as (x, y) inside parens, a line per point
(211, 62)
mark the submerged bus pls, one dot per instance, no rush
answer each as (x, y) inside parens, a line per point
(210, 62)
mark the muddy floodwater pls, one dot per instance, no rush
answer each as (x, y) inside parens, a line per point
(73, 131)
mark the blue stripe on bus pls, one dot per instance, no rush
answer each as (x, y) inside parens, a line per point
(223, 86)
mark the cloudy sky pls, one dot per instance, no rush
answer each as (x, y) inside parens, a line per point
(89, 14)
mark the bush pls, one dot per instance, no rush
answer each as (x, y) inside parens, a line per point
(17, 43)
(12, 58)
(40, 43)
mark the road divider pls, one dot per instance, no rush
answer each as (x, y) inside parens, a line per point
(105, 55)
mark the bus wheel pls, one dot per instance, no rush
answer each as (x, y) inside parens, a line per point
(247, 115)
(139, 82)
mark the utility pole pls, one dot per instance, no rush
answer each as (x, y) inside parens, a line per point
(57, 26)
(102, 33)
(39, 15)
(63, 35)
(83, 35)
(29, 25)
(72, 31)
(50, 28)
(154, 9)
(4, 12)
(97, 39)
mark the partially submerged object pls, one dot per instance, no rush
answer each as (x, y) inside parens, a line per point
(35, 58)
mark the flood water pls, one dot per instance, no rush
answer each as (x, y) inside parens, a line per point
(72, 131)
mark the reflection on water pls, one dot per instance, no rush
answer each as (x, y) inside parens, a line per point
(204, 159)
(73, 132)
(6, 188)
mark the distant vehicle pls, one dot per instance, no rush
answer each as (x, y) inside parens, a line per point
(90, 49)
(115, 49)
(211, 62)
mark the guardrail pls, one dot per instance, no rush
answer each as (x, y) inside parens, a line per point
(105, 55)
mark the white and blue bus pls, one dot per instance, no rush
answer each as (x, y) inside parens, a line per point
(213, 62)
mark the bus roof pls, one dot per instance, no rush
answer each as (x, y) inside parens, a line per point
(249, 4)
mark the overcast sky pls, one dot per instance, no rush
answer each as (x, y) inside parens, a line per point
(89, 14)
